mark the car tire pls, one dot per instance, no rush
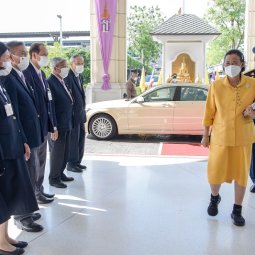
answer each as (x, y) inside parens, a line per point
(102, 127)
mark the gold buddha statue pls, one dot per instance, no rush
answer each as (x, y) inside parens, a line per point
(183, 76)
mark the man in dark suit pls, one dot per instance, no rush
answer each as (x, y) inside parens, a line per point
(28, 119)
(62, 104)
(74, 81)
(37, 79)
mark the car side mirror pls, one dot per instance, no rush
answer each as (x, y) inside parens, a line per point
(140, 100)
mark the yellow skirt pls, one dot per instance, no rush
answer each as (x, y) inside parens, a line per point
(228, 163)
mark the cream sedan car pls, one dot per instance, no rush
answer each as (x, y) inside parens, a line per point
(165, 109)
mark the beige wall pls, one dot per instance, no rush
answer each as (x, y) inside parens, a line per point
(250, 33)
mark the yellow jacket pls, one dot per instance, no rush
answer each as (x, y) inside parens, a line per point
(224, 112)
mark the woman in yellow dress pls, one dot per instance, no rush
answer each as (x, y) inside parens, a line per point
(229, 101)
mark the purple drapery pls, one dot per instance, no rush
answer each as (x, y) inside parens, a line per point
(106, 14)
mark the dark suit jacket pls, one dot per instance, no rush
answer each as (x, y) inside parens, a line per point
(42, 101)
(79, 97)
(23, 104)
(62, 105)
(11, 146)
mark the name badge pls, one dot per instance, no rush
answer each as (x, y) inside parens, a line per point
(49, 95)
(8, 109)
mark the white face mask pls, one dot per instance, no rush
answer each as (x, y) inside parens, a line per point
(44, 60)
(174, 80)
(135, 79)
(7, 68)
(24, 62)
(79, 69)
(64, 72)
(232, 71)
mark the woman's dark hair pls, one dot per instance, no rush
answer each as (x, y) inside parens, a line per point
(238, 53)
(3, 49)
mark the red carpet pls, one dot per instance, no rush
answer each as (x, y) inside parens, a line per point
(184, 149)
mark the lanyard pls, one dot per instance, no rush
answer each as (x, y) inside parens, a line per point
(3, 95)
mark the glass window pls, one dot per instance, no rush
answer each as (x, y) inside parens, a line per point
(193, 94)
(165, 94)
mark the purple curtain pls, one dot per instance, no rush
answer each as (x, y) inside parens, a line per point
(106, 14)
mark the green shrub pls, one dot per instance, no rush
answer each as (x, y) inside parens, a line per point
(58, 50)
(133, 63)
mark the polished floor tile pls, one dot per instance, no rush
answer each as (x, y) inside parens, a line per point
(127, 205)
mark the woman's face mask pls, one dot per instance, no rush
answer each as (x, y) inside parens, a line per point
(7, 68)
(233, 64)
(232, 70)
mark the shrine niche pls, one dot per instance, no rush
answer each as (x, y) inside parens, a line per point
(184, 67)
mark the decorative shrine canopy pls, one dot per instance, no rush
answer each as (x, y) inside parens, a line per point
(184, 34)
(185, 24)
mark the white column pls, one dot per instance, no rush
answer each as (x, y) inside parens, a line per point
(118, 61)
(183, 6)
(204, 64)
(164, 64)
(249, 40)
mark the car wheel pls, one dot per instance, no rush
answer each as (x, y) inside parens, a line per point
(102, 127)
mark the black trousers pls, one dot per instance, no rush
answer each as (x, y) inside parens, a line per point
(32, 165)
(59, 151)
(77, 145)
(40, 169)
(252, 168)
(17, 190)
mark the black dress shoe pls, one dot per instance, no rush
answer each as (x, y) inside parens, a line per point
(32, 227)
(44, 200)
(36, 216)
(252, 189)
(20, 244)
(59, 185)
(48, 195)
(65, 178)
(212, 209)
(74, 169)
(81, 166)
(237, 217)
(16, 252)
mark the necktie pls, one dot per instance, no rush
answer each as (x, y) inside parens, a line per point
(79, 82)
(40, 76)
(67, 91)
(23, 79)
